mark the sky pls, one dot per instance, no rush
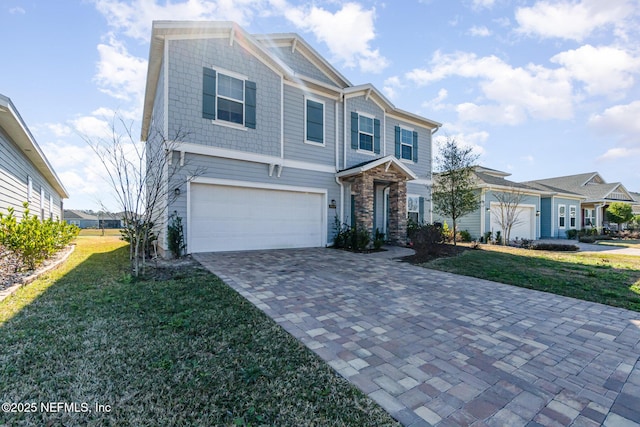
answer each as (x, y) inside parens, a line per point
(538, 88)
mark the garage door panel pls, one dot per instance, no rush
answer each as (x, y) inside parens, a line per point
(227, 218)
(524, 227)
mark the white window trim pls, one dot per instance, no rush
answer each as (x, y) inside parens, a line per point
(416, 196)
(324, 121)
(402, 143)
(562, 227)
(238, 76)
(373, 134)
(573, 214)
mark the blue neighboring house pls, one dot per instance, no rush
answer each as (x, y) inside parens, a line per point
(277, 142)
(25, 173)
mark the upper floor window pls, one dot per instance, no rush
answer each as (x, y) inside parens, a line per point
(562, 212)
(406, 143)
(314, 122)
(365, 133)
(229, 98)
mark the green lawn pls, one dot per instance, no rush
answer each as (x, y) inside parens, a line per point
(630, 243)
(599, 277)
(186, 350)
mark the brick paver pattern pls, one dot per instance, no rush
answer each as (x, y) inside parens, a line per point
(435, 348)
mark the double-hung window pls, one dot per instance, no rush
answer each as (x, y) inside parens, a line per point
(562, 212)
(413, 208)
(572, 216)
(365, 133)
(314, 121)
(406, 141)
(228, 97)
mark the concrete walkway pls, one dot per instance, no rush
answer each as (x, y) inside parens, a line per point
(435, 348)
(592, 247)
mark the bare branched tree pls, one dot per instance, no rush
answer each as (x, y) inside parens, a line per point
(506, 212)
(139, 175)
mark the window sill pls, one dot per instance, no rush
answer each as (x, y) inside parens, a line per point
(367, 152)
(229, 124)
(317, 144)
(407, 161)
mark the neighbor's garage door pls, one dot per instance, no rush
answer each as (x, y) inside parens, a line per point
(226, 218)
(523, 229)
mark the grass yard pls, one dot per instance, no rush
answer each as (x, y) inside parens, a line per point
(183, 351)
(599, 277)
(630, 243)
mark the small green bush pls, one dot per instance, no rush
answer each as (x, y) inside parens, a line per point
(175, 235)
(572, 234)
(31, 239)
(352, 238)
(465, 236)
(557, 247)
(378, 239)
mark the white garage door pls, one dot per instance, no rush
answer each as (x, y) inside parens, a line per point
(524, 227)
(228, 218)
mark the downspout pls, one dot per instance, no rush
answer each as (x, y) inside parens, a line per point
(433, 132)
(344, 131)
(341, 216)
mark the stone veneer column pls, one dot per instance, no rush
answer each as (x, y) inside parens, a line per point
(363, 189)
(398, 213)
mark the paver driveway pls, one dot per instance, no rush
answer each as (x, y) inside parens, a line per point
(435, 348)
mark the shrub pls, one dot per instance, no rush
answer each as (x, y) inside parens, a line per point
(488, 236)
(352, 238)
(426, 239)
(572, 234)
(498, 237)
(175, 235)
(465, 236)
(554, 247)
(378, 239)
(447, 233)
(31, 239)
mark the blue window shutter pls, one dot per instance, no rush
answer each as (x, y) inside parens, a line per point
(397, 141)
(208, 93)
(354, 130)
(415, 146)
(421, 210)
(250, 104)
(376, 136)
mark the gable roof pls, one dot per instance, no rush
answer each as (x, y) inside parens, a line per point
(590, 185)
(11, 122)
(76, 214)
(388, 161)
(258, 45)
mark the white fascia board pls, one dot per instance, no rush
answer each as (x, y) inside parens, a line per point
(330, 93)
(226, 153)
(506, 189)
(376, 163)
(254, 184)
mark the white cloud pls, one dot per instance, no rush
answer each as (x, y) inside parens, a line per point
(120, 74)
(17, 11)
(436, 104)
(619, 153)
(513, 94)
(134, 18)
(348, 33)
(604, 70)
(92, 127)
(59, 129)
(391, 86)
(572, 20)
(483, 4)
(619, 119)
(474, 140)
(480, 31)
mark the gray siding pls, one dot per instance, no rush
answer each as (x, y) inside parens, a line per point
(186, 60)
(360, 104)
(294, 125)
(545, 217)
(15, 170)
(300, 64)
(215, 167)
(556, 231)
(422, 167)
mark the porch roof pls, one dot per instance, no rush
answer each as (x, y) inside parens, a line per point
(387, 161)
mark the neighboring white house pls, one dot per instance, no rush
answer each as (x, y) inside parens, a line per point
(25, 173)
(285, 142)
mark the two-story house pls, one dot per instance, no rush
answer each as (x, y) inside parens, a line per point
(277, 143)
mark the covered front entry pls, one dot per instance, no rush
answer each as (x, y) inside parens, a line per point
(379, 196)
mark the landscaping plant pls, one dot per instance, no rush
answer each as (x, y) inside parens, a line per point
(31, 239)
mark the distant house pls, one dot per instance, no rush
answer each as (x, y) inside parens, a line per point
(597, 194)
(25, 172)
(81, 219)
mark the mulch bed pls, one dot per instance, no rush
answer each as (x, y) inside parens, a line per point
(11, 269)
(441, 251)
